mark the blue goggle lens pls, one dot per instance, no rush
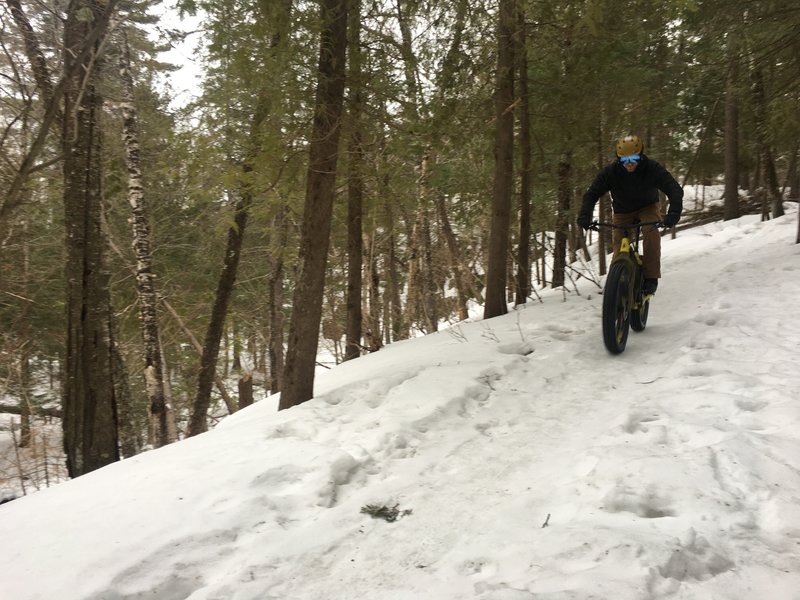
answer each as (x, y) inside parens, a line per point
(630, 159)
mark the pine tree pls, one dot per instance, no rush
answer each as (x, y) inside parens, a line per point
(298, 378)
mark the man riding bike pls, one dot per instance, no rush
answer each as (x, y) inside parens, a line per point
(634, 181)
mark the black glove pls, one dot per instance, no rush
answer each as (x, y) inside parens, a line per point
(671, 219)
(585, 221)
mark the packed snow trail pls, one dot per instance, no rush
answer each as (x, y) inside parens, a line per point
(524, 462)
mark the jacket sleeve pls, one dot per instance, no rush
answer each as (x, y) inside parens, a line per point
(667, 184)
(599, 187)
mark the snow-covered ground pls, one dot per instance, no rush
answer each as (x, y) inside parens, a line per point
(519, 459)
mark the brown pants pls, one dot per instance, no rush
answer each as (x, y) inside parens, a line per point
(651, 238)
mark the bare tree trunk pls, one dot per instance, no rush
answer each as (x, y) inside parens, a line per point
(236, 346)
(544, 259)
(198, 422)
(764, 146)
(145, 286)
(355, 193)
(208, 362)
(604, 235)
(441, 109)
(731, 208)
(129, 427)
(245, 390)
(25, 336)
(456, 263)
(562, 219)
(523, 251)
(797, 239)
(41, 72)
(275, 300)
(572, 242)
(421, 296)
(422, 290)
(793, 175)
(373, 332)
(399, 327)
(316, 229)
(417, 283)
(427, 268)
(504, 163)
(90, 401)
(415, 296)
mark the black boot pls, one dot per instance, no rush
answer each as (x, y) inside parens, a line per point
(649, 286)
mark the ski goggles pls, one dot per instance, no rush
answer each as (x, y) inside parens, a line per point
(631, 159)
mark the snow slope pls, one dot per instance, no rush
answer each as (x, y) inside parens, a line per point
(522, 459)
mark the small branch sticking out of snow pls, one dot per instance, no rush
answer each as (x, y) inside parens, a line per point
(389, 514)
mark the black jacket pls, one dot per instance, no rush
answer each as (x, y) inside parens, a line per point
(633, 191)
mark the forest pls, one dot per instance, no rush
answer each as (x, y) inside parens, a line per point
(352, 173)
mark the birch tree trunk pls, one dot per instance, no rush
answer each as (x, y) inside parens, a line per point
(145, 285)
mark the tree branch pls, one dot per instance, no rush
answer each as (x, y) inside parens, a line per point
(16, 410)
(52, 113)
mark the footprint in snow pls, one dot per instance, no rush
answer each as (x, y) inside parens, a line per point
(638, 418)
(749, 404)
(647, 503)
(477, 566)
(557, 332)
(695, 558)
(521, 348)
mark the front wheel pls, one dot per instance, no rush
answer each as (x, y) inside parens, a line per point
(639, 315)
(616, 308)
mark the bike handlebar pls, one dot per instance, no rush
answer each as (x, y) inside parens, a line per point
(596, 225)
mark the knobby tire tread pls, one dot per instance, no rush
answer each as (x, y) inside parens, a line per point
(616, 308)
(639, 317)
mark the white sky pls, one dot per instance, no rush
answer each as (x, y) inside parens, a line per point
(185, 83)
(670, 471)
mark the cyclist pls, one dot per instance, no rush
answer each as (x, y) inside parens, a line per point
(634, 181)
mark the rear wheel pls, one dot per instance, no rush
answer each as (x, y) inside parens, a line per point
(616, 308)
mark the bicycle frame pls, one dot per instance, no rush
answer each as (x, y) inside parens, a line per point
(624, 304)
(629, 253)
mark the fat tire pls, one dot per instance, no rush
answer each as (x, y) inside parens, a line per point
(616, 308)
(639, 316)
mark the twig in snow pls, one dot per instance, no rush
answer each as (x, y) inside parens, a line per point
(458, 333)
(489, 333)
